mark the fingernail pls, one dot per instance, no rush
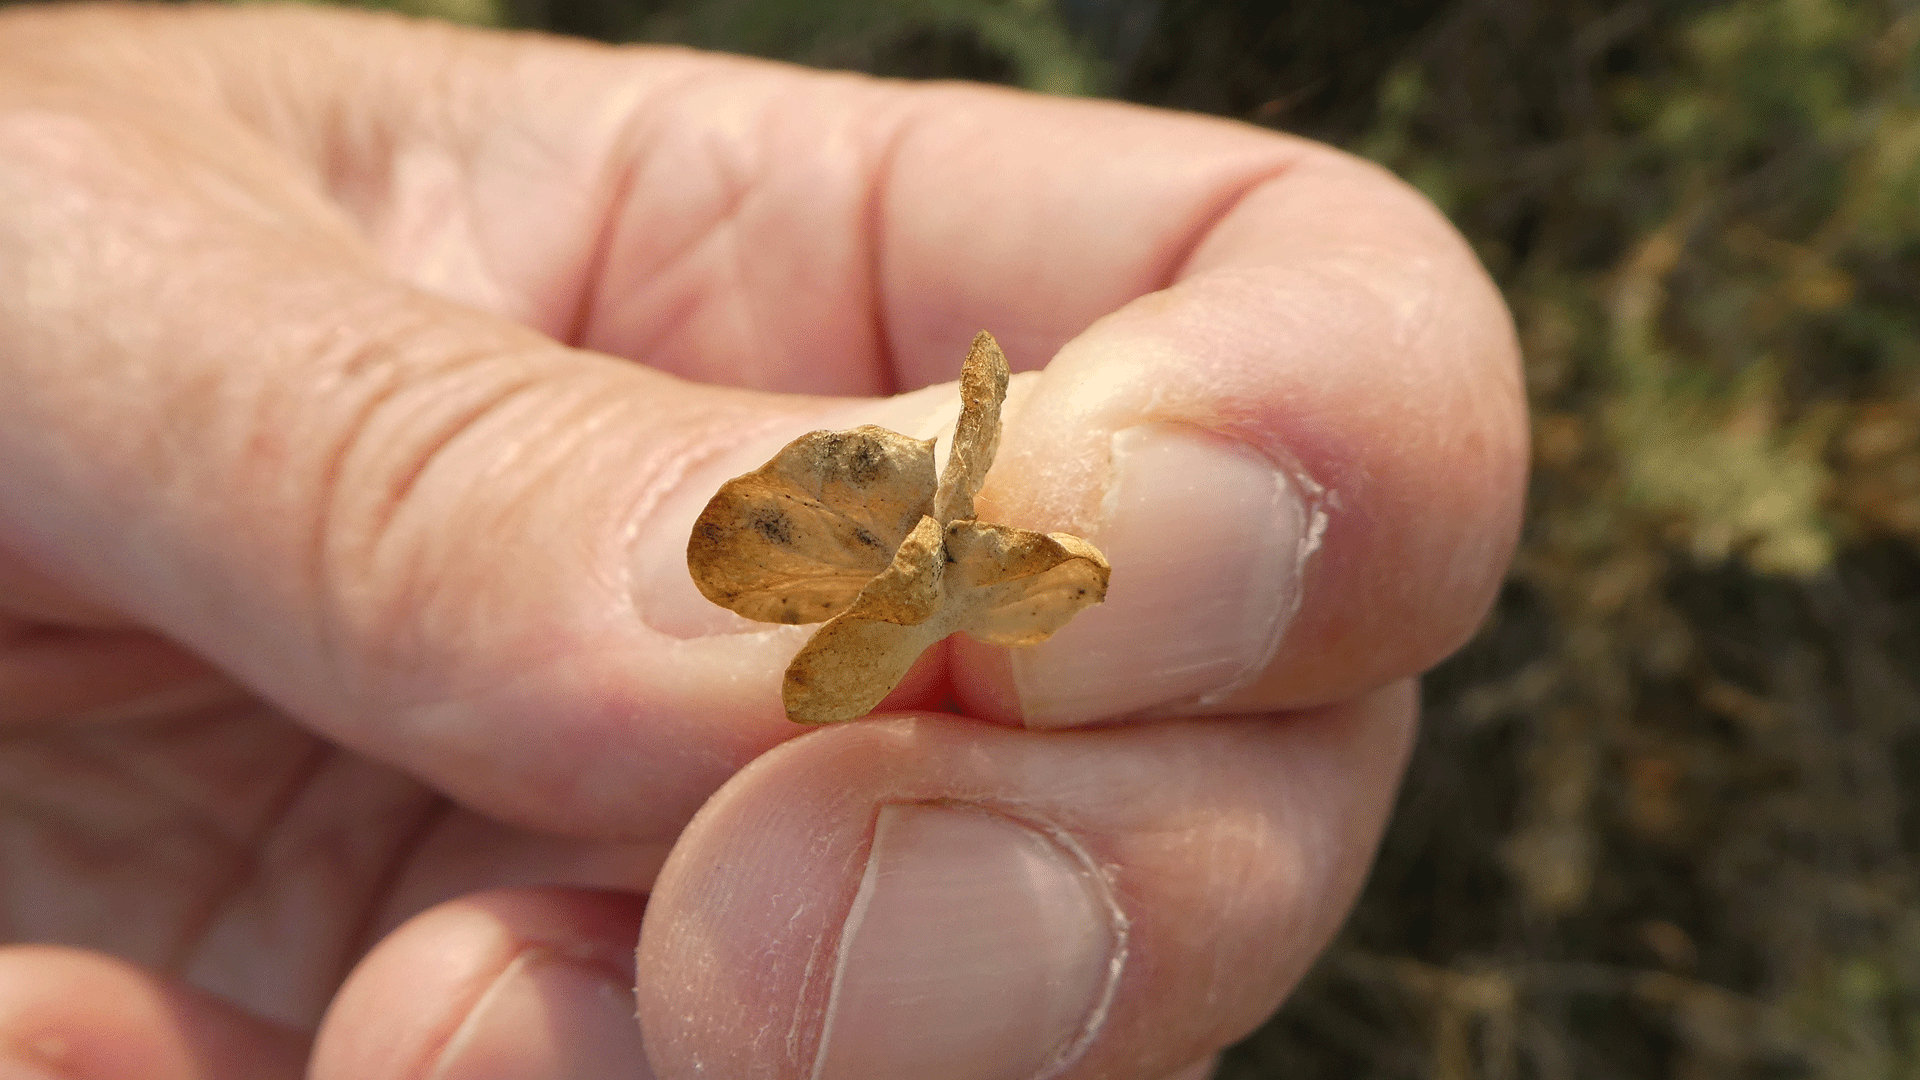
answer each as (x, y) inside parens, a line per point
(1207, 538)
(978, 948)
(548, 1017)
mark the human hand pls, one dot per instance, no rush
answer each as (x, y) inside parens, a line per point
(362, 379)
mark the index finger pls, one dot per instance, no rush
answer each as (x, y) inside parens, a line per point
(1278, 383)
(1278, 387)
(460, 547)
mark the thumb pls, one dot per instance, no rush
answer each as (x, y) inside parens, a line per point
(922, 897)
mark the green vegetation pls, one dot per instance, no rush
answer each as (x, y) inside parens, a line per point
(1665, 821)
(1026, 37)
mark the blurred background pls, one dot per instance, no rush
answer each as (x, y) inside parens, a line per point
(1664, 819)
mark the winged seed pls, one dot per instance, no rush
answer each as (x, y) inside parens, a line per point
(851, 528)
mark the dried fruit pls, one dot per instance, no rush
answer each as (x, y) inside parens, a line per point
(850, 527)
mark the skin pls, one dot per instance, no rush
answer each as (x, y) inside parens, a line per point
(347, 362)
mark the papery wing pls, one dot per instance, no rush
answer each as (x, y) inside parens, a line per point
(976, 438)
(1013, 586)
(851, 665)
(853, 662)
(797, 539)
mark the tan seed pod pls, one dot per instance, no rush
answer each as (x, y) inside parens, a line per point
(850, 527)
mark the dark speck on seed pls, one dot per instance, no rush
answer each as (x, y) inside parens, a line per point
(773, 525)
(865, 464)
(865, 537)
(847, 456)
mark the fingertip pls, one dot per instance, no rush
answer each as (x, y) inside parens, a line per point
(79, 1015)
(1307, 457)
(529, 983)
